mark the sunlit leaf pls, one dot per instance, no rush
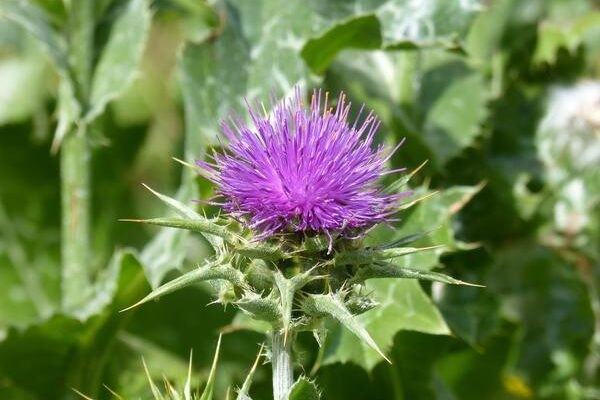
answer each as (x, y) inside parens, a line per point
(119, 59)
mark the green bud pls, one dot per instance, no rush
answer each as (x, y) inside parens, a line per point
(260, 308)
(259, 275)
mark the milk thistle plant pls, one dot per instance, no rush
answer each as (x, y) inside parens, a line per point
(300, 188)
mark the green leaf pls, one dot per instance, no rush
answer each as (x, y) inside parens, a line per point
(24, 294)
(406, 23)
(333, 307)
(243, 393)
(434, 215)
(569, 34)
(389, 270)
(198, 224)
(403, 306)
(551, 347)
(120, 57)
(106, 284)
(186, 212)
(287, 291)
(369, 256)
(304, 389)
(453, 103)
(23, 78)
(403, 303)
(211, 271)
(175, 205)
(392, 24)
(166, 251)
(261, 252)
(207, 394)
(361, 32)
(35, 21)
(217, 74)
(52, 343)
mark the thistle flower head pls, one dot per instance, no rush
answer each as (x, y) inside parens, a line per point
(303, 168)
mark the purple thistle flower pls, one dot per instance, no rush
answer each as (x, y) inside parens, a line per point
(303, 169)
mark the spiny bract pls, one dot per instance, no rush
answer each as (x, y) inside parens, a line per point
(303, 169)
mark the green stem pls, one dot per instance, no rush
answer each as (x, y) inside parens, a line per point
(75, 165)
(75, 197)
(281, 360)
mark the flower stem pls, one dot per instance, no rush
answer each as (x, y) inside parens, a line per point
(281, 359)
(75, 164)
(75, 176)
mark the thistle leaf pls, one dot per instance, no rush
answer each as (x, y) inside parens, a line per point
(386, 254)
(334, 307)
(207, 394)
(243, 393)
(287, 289)
(186, 212)
(175, 205)
(155, 391)
(199, 224)
(404, 240)
(389, 270)
(262, 252)
(119, 59)
(214, 270)
(304, 389)
(286, 294)
(368, 256)
(187, 388)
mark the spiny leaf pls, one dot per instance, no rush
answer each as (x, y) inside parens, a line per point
(207, 394)
(243, 393)
(304, 389)
(418, 200)
(286, 294)
(333, 306)
(400, 183)
(368, 256)
(212, 271)
(185, 212)
(315, 244)
(175, 205)
(155, 391)
(263, 252)
(187, 393)
(287, 290)
(202, 225)
(404, 240)
(389, 270)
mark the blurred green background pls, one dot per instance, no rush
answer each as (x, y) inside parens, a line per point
(502, 97)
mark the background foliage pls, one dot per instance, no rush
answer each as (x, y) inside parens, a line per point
(502, 97)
